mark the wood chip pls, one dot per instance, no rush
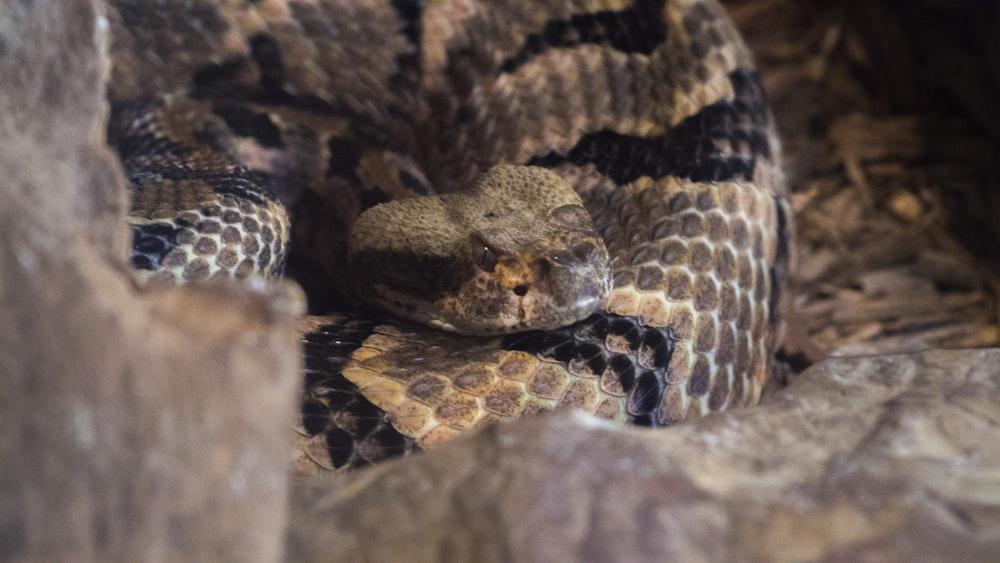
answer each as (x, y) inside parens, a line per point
(881, 265)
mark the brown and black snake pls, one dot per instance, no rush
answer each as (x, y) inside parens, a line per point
(246, 124)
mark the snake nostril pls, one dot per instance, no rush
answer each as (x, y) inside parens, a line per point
(520, 290)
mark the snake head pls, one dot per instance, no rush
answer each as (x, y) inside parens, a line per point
(514, 251)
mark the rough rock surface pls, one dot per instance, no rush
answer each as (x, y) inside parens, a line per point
(133, 426)
(893, 458)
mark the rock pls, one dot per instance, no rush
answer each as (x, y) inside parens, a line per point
(893, 458)
(133, 425)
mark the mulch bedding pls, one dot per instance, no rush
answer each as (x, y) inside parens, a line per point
(889, 114)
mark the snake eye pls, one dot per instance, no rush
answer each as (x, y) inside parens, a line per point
(486, 258)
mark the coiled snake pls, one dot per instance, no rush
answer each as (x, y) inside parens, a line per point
(649, 109)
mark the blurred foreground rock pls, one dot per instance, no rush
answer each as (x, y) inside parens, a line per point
(893, 458)
(134, 426)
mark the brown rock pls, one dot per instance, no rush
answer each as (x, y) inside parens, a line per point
(890, 458)
(133, 425)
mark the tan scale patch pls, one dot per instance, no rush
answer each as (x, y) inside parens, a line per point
(517, 365)
(437, 436)
(411, 419)
(549, 381)
(487, 385)
(610, 409)
(505, 399)
(581, 394)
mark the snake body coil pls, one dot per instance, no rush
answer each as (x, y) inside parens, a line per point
(650, 109)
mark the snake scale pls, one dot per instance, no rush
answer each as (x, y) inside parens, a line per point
(228, 112)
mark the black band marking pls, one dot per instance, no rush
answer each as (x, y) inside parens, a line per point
(638, 29)
(410, 25)
(245, 122)
(642, 372)
(356, 432)
(150, 243)
(777, 271)
(690, 149)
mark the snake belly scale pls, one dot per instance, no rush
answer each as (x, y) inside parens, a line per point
(650, 109)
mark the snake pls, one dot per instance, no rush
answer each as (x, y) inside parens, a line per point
(327, 135)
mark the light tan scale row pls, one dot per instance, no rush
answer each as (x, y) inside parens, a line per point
(468, 386)
(226, 239)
